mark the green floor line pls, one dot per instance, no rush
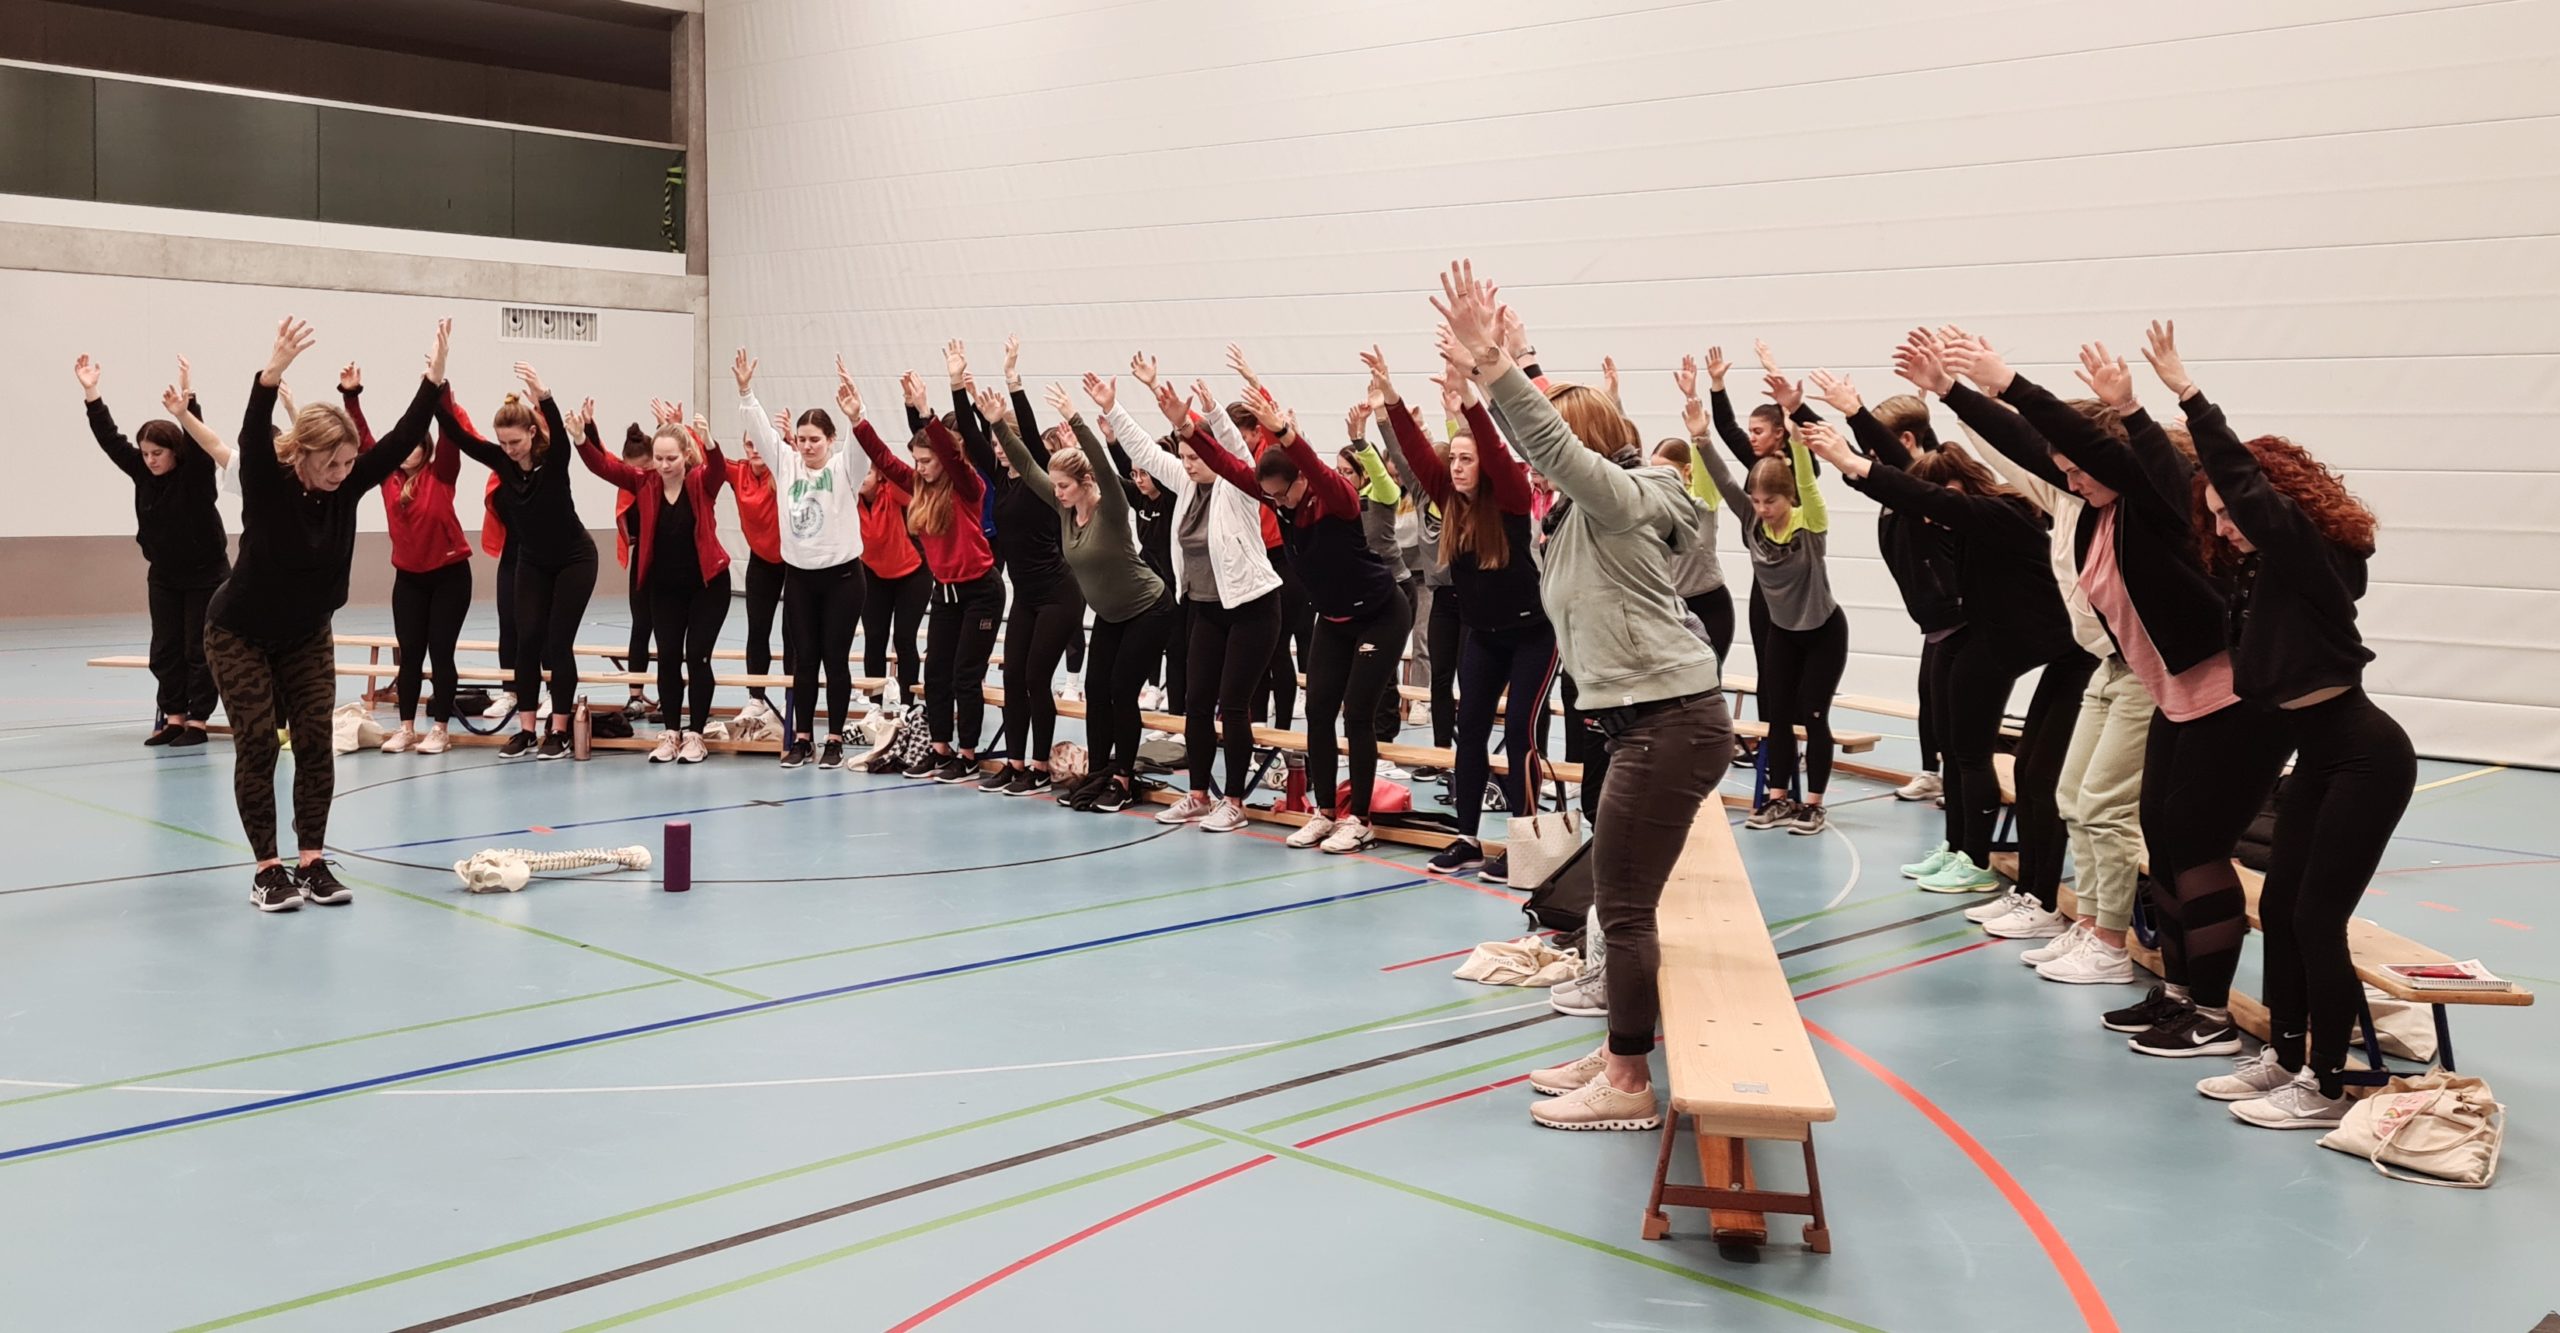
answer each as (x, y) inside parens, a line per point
(183, 1070)
(890, 1238)
(454, 908)
(822, 1164)
(1027, 920)
(1898, 896)
(1524, 1224)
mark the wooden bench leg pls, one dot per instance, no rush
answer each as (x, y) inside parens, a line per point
(1726, 1164)
(1817, 1233)
(1657, 1224)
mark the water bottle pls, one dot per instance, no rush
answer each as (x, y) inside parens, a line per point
(581, 732)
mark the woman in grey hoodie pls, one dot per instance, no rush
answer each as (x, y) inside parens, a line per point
(1645, 677)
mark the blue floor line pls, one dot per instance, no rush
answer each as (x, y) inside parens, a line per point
(662, 1025)
(663, 814)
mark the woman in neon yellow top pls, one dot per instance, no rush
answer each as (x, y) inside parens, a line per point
(1808, 645)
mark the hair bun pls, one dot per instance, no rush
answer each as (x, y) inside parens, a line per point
(513, 399)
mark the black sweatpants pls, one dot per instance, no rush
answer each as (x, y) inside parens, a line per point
(1523, 661)
(643, 621)
(551, 602)
(1976, 673)
(891, 611)
(1044, 623)
(1230, 652)
(1348, 662)
(764, 596)
(960, 635)
(2202, 782)
(1115, 669)
(426, 614)
(688, 620)
(2043, 744)
(1289, 651)
(508, 564)
(2353, 774)
(825, 606)
(1668, 761)
(178, 666)
(292, 686)
(1174, 665)
(1391, 699)
(1933, 684)
(1799, 672)
(1443, 636)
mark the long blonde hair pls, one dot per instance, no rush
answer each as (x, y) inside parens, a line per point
(318, 429)
(1594, 419)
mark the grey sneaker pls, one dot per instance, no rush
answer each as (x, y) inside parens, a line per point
(1585, 996)
(1808, 820)
(1776, 812)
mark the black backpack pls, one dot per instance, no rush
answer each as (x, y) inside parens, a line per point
(1563, 903)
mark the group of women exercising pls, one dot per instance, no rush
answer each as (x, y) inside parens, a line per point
(2186, 596)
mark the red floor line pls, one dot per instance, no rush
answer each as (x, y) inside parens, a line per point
(2084, 1292)
(2439, 907)
(2102, 1322)
(2511, 925)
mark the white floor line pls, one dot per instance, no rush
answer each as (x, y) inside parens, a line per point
(773, 1082)
(1857, 867)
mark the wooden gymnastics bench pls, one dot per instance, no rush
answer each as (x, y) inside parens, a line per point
(1742, 1066)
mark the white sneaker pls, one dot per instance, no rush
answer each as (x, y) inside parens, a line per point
(664, 752)
(400, 742)
(1557, 1080)
(2030, 922)
(2251, 1077)
(501, 704)
(1924, 787)
(2092, 964)
(693, 750)
(759, 710)
(2296, 1105)
(1350, 834)
(1996, 908)
(1315, 830)
(436, 741)
(1152, 699)
(1226, 818)
(1191, 809)
(2068, 942)
(1585, 995)
(1071, 692)
(1598, 1105)
(1394, 772)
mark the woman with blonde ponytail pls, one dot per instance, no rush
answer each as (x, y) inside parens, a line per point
(267, 633)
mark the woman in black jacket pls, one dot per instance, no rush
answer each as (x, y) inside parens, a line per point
(2209, 762)
(184, 549)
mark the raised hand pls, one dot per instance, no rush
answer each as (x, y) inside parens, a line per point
(913, 387)
(990, 404)
(1716, 368)
(173, 400)
(1104, 393)
(293, 338)
(87, 372)
(848, 400)
(1921, 361)
(955, 359)
(1609, 377)
(744, 369)
(532, 381)
(1471, 309)
(1169, 401)
(1242, 367)
(1382, 385)
(1142, 368)
(1208, 401)
(1012, 363)
(1971, 356)
(782, 424)
(662, 411)
(576, 421)
(1357, 421)
(1266, 409)
(1059, 402)
(1515, 335)
(2160, 348)
(1685, 377)
(1826, 443)
(1459, 363)
(1768, 359)
(2107, 377)
(1839, 392)
(186, 378)
(1788, 393)
(1693, 413)
(350, 377)
(702, 428)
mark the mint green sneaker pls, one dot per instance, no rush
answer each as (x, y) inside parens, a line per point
(1931, 864)
(1960, 875)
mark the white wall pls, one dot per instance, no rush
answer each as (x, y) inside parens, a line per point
(2350, 206)
(137, 327)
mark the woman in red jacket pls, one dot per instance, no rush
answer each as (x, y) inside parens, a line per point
(893, 606)
(760, 521)
(968, 592)
(678, 559)
(431, 573)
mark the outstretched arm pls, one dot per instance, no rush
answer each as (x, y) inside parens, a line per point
(102, 424)
(373, 468)
(1033, 472)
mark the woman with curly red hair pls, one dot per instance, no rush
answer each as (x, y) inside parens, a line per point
(2295, 542)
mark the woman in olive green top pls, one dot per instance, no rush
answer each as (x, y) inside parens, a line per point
(1132, 606)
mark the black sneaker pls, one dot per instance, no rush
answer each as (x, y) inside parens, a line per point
(955, 769)
(638, 708)
(320, 886)
(1041, 783)
(1807, 820)
(1078, 795)
(1109, 799)
(995, 783)
(275, 890)
(555, 745)
(519, 745)
(1497, 870)
(187, 736)
(2156, 1008)
(1427, 773)
(163, 736)
(831, 755)
(796, 754)
(1024, 781)
(924, 765)
(1457, 858)
(2187, 1033)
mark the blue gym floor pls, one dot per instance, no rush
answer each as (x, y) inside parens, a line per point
(911, 1056)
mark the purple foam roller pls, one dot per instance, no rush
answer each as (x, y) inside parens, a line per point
(679, 858)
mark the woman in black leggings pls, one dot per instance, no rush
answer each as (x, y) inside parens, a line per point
(626, 539)
(1361, 619)
(899, 587)
(1509, 645)
(816, 478)
(1132, 605)
(2209, 761)
(679, 564)
(1227, 587)
(1047, 612)
(431, 575)
(760, 522)
(968, 592)
(2296, 542)
(184, 548)
(2015, 624)
(556, 569)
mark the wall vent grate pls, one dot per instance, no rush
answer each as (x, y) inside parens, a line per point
(535, 324)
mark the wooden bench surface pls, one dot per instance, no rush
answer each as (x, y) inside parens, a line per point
(501, 675)
(1739, 1057)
